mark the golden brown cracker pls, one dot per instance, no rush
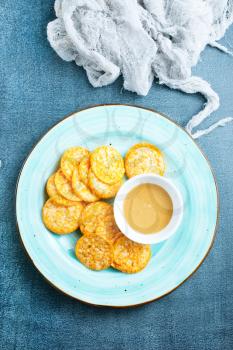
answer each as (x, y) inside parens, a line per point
(101, 189)
(108, 229)
(107, 164)
(93, 214)
(129, 256)
(83, 169)
(81, 190)
(50, 186)
(72, 158)
(144, 158)
(94, 252)
(60, 219)
(59, 200)
(64, 187)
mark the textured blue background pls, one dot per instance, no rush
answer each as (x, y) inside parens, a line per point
(37, 89)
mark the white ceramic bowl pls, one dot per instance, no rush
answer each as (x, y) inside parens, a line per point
(173, 224)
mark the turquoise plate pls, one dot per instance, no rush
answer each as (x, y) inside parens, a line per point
(172, 261)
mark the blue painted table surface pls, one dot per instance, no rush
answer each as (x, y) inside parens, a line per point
(37, 89)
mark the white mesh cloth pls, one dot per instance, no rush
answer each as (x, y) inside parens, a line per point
(143, 39)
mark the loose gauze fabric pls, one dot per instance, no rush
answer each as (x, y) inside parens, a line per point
(143, 39)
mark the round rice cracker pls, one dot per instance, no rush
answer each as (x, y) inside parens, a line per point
(94, 252)
(129, 256)
(144, 158)
(64, 187)
(101, 189)
(108, 229)
(59, 200)
(107, 164)
(72, 158)
(81, 190)
(60, 219)
(83, 169)
(92, 216)
(51, 187)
